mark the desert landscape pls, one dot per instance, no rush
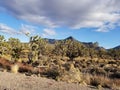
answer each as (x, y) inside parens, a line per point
(59, 45)
(75, 63)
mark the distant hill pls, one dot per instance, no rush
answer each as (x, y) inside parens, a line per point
(87, 44)
(70, 38)
(117, 47)
(51, 41)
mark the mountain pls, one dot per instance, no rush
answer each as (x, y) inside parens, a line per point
(87, 44)
(51, 41)
(117, 47)
(94, 45)
(70, 38)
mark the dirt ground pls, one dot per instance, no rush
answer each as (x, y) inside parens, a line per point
(11, 81)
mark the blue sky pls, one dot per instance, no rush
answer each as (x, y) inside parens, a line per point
(85, 20)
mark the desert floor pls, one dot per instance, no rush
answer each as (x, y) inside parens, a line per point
(11, 81)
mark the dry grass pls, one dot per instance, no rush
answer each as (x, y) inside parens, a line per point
(102, 81)
(6, 64)
(15, 67)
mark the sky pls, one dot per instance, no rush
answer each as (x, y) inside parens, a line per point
(85, 20)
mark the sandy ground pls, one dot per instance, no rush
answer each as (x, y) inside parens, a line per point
(11, 81)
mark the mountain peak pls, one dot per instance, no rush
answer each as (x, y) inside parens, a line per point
(70, 38)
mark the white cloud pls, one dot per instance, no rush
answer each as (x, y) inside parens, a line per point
(74, 14)
(48, 32)
(27, 29)
(6, 29)
(24, 29)
(109, 24)
(106, 27)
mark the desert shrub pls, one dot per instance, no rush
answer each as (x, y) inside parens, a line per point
(102, 65)
(110, 69)
(77, 65)
(86, 78)
(35, 64)
(116, 83)
(67, 65)
(107, 69)
(94, 81)
(43, 60)
(25, 68)
(103, 81)
(98, 71)
(84, 65)
(52, 73)
(115, 75)
(88, 63)
(100, 81)
(73, 75)
(112, 62)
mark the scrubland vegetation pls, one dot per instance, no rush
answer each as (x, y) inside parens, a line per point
(64, 60)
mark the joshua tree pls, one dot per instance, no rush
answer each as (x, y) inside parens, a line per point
(69, 48)
(2, 44)
(60, 48)
(15, 48)
(38, 47)
(74, 49)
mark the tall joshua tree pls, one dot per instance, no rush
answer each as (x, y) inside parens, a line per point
(38, 47)
(2, 40)
(15, 48)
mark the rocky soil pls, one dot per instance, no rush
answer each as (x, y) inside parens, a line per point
(11, 81)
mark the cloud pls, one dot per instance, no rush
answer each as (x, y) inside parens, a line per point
(74, 14)
(48, 32)
(110, 25)
(6, 29)
(27, 29)
(106, 27)
(24, 29)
